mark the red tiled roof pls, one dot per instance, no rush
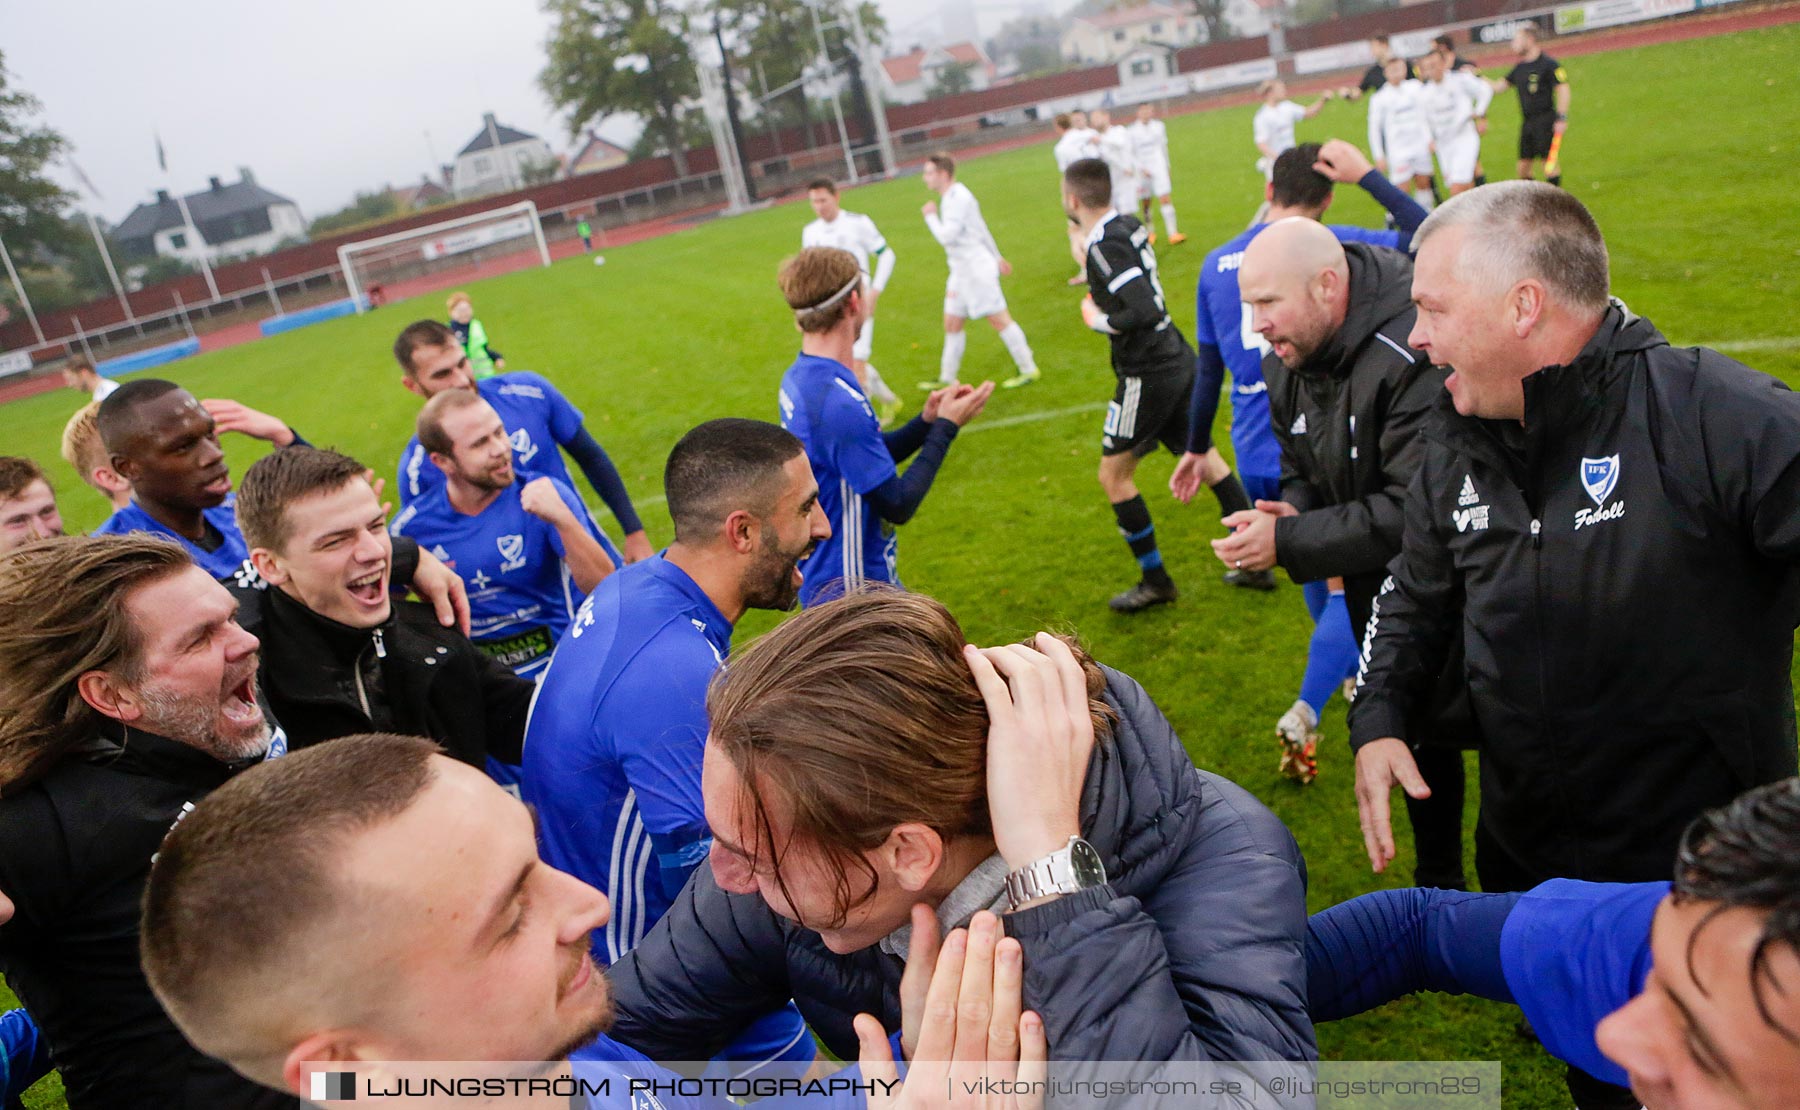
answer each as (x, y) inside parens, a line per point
(1131, 17)
(907, 67)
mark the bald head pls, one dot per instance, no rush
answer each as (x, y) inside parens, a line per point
(1297, 247)
(1296, 280)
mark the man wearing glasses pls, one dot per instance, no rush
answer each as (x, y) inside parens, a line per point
(538, 420)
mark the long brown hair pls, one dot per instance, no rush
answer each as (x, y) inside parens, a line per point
(859, 715)
(62, 614)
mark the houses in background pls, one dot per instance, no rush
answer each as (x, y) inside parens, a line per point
(500, 158)
(423, 195)
(1109, 36)
(914, 76)
(596, 154)
(233, 220)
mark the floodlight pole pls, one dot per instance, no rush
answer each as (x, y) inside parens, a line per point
(19, 288)
(187, 219)
(873, 72)
(507, 178)
(737, 198)
(106, 257)
(837, 107)
(731, 113)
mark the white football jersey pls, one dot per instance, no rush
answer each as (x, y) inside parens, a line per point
(958, 226)
(851, 231)
(1273, 125)
(1075, 144)
(1120, 152)
(1150, 141)
(1450, 107)
(1396, 120)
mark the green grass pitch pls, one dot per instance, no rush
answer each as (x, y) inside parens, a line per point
(1692, 190)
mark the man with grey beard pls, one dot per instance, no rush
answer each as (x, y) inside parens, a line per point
(131, 694)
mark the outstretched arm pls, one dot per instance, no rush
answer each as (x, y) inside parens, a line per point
(597, 467)
(1392, 943)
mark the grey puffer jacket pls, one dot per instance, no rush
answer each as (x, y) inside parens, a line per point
(1194, 950)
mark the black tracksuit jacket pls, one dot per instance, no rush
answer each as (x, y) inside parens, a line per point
(1620, 571)
(75, 851)
(1349, 422)
(410, 675)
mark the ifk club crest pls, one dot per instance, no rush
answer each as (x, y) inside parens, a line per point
(1599, 477)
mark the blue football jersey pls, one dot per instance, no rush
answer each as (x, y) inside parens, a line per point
(521, 594)
(537, 418)
(1574, 952)
(822, 404)
(614, 744)
(223, 562)
(613, 750)
(1222, 321)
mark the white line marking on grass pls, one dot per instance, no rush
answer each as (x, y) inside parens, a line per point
(978, 426)
(1778, 343)
(1033, 417)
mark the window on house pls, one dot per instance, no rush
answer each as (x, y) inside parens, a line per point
(178, 241)
(1156, 28)
(483, 164)
(1143, 67)
(1118, 36)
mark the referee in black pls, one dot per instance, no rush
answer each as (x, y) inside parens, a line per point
(1543, 87)
(1153, 362)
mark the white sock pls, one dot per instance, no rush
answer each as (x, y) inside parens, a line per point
(1014, 338)
(878, 389)
(1423, 196)
(951, 364)
(1168, 211)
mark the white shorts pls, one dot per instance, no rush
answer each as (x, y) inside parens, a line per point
(1404, 165)
(1155, 179)
(973, 291)
(865, 342)
(1125, 192)
(1457, 158)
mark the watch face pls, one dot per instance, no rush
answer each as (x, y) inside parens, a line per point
(1086, 865)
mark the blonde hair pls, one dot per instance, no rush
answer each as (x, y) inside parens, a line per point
(456, 298)
(82, 447)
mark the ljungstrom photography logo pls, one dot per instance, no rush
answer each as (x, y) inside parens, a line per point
(329, 1086)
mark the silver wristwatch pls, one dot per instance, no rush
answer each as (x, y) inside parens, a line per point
(1074, 867)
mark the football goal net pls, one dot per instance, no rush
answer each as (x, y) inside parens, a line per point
(420, 259)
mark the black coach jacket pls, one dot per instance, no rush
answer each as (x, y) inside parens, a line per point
(1349, 422)
(1625, 565)
(75, 851)
(410, 675)
(1193, 950)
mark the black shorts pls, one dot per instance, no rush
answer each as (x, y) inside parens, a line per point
(1146, 411)
(1535, 133)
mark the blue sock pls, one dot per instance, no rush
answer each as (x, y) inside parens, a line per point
(1316, 595)
(1332, 655)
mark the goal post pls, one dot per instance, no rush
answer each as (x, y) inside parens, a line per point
(478, 239)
